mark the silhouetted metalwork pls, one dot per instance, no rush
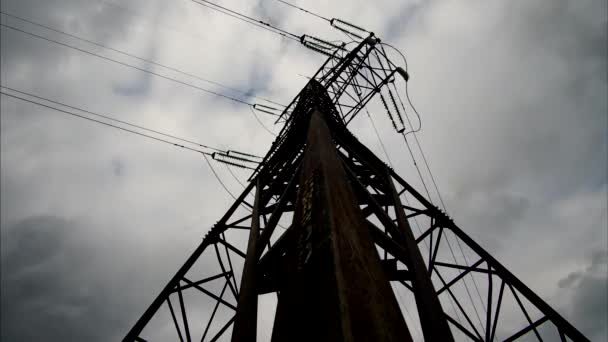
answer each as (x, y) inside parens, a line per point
(328, 232)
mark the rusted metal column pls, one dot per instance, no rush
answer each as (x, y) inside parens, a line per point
(246, 319)
(334, 288)
(432, 318)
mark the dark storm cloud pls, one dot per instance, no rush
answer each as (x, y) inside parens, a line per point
(589, 296)
(51, 288)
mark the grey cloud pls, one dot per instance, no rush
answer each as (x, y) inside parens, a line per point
(51, 287)
(570, 279)
(588, 290)
(71, 16)
(140, 87)
(513, 100)
(598, 259)
(546, 90)
(590, 307)
(118, 167)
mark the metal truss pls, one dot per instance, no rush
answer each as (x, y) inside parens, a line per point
(502, 308)
(353, 77)
(216, 289)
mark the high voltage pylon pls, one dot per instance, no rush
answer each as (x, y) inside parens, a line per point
(345, 252)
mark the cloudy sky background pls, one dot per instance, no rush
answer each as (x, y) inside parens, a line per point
(94, 221)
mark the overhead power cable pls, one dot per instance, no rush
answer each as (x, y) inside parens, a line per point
(261, 123)
(102, 122)
(203, 153)
(303, 10)
(351, 30)
(246, 18)
(128, 65)
(219, 179)
(390, 162)
(229, 153)
(413, 132)
(234, 176)
(320, 48)
(137, 57)
(107, 117)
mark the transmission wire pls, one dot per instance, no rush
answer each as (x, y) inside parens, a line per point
(248, 19)
(408, 203)
(203, 153)
(429, 196)
(303, 10)
(113, 119)
(136, 57)
(436, 189)
(380, 140)
(442, 204)
(435, 185)
(234, 176)
(104, 123)
(219, 179)
(405, 112)
(128, 65)
(407, 312)
(260, 122)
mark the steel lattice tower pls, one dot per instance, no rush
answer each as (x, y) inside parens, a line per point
(322, 224)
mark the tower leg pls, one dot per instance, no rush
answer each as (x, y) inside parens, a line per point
(335, 288)
(245, 320)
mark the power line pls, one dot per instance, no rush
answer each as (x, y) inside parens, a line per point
(203, 153)
(233, 175)
(429, 197)
(136, 57)
(247, 19)
(407, 94)
(261, 123)
(407, 117)
(391, 164)
(251, 105)
(104, 123)
(219, 179)
(128, 65)
(303, 10)
(268, 26)
(416, 223)
(379, 139)
(217, 151)
(413, 132)
(339, 24)
(112, 119)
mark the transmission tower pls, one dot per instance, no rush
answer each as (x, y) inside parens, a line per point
(328, 228)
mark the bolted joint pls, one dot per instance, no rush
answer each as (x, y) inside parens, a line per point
(213, 235)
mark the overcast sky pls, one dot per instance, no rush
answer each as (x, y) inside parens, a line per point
(94, 221)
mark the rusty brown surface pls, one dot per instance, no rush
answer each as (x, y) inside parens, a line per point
(335, 287)
(245, 321)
